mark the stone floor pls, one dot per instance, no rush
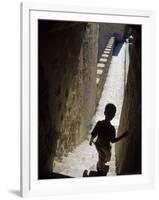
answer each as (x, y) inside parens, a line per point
(85, 156)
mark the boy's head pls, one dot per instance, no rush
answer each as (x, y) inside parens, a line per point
(110, 111)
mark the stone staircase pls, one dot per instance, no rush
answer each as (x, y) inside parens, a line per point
(103, 66)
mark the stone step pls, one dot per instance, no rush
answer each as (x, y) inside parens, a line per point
(106, 52)
(97, 80)
(107, 49)
(100, 65)
(110, 44)
(99, 71)
(103, 60)
(105, 55)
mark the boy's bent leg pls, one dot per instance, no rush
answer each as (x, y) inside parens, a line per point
(104, 156)
(101, 158)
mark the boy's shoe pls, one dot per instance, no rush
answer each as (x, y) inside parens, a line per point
(85, 173)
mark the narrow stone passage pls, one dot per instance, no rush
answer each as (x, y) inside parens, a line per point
(85, 156)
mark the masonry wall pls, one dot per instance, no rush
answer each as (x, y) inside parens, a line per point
(67, 87)
(128, 150)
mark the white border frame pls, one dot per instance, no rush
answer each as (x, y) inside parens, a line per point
(30, 186)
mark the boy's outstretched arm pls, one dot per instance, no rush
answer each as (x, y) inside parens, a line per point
(116, 139)
(91, 141)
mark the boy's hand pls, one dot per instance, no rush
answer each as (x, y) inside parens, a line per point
(90, 142)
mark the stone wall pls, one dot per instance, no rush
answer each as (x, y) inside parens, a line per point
(128, 150)
(67, 87)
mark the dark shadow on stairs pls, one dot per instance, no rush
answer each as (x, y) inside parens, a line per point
(54, 176)
(117, 48)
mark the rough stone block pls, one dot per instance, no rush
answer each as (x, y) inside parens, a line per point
(97, 80)
(99, 71)
(100, 65)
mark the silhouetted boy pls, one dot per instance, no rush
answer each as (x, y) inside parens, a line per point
(105, 133)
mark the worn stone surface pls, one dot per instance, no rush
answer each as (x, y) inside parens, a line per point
(67, 87)
(128, 150)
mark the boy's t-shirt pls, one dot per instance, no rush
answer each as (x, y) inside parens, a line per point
(105, 133)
